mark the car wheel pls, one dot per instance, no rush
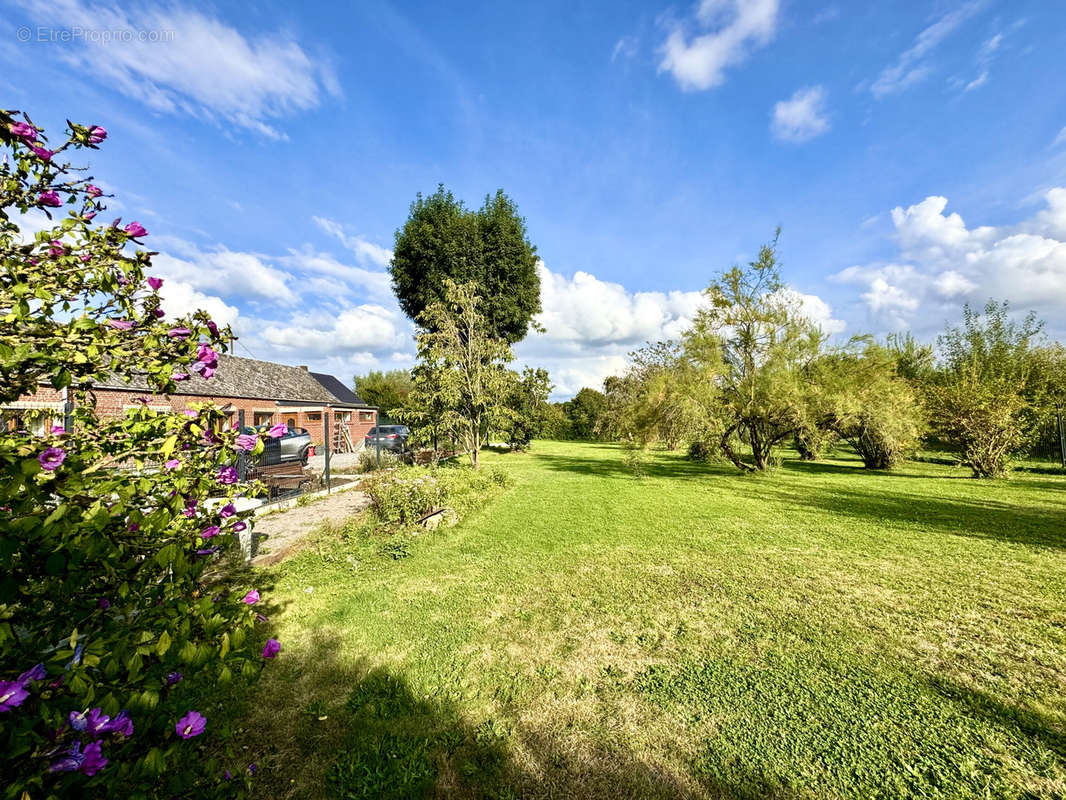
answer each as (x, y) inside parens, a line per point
(303, 458)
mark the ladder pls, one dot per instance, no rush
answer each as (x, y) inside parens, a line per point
(342, 440)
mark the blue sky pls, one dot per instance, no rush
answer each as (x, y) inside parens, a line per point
(914, 154)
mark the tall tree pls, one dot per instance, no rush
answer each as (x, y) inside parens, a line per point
(461, 382)
(585, 413)
(527, 408)
(387, 391)
(982, 401)
(754, 327)
(444, 241)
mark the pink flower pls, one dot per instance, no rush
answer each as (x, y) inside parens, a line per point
(177, 377)
(247, 441)
(209, 532)
(271, 648)
(135, 229)
(58, 430)
(51, 458)
(85, 258)
(172, 464)
(178, 333)
(192, 724)
(277, 431)
(227, 511)
(227, 475)
(155, 283)
(239, 526)
(93, 191)
(56, 248)
(23, 130)
(97, 134)
(190, 413)
(42, 153)
(251, 598)
(49, 198)
(89, 218)
(120, 324)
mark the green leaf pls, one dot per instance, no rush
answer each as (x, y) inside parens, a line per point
(169, 445)
(164, 644)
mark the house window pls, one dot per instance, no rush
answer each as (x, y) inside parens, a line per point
(290, 423)
(262, 418)
(366, 416)
(343, 417)
(313, 416)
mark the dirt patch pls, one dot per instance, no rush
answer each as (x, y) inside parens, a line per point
(278, 533)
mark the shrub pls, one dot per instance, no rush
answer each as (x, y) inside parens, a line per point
(368, 459)
(700, 452)
(118, 616)
(403, 496)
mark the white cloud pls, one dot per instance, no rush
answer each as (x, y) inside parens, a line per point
(1060, 139)
(942, 263)
(374, 283)
(914, 64)
(369, 330)
(802, 117)
(817, 311)
(179, 298)
(193, 63)
(734, 28)
(219, 270)
(365, 250)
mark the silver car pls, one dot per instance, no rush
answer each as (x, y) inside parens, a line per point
(293, 445)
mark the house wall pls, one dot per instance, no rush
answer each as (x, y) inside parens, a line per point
(112, 403)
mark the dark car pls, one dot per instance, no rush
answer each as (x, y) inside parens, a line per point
(293, 446)
(391, 437)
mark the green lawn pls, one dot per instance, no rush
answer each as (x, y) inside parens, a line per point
(819, 632)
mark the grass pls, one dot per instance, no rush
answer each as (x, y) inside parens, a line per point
(819, 632)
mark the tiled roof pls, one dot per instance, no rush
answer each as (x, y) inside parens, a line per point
(250, 378)
(338, 389)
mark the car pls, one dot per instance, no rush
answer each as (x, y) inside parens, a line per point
(293, 445)
(391, 437)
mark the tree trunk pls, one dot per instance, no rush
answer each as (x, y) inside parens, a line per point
(731, 454)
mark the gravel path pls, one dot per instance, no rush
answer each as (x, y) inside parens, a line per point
(278, 533)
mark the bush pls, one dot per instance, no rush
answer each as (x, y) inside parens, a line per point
(700, 452)
(403, 496)
(118, 615)
(368, 459)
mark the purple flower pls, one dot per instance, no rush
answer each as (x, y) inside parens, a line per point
(97, 722)
(93, 760)
(177, 377)
(88, 218)
(277, 431)
(155, 283)
(271, 648)
(135, 229)
(209, 532)
(78, 720)
(252, 768)
(42, 153)
(227, 475)
(192, 724)
(179, 333)
(261, 618)
(49, 198)
(133, 527)
(51, 458)
(191, 413)
(173, 677)
(36, 673)
(97, 134)
(206, 355)
(121, 724)
(207, 551)
(103, 603)
(58, 430)
(12, 693)
(252, 597)
(71, 761)
(158, 313)
(172, 464)
(207, 372)
(211, 326)
(120, 324)
(247, 441)
(56, 248)
(227, 511)
(23, 130)
(93, 191)
(238, 527)
(227, 775)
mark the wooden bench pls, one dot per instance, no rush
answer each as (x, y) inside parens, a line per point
(278, 477)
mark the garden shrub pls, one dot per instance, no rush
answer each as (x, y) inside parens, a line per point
(403, 496)
(368, 460)
(118, 615)
(700, 452)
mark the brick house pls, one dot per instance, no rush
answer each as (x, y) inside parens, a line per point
(268, 393)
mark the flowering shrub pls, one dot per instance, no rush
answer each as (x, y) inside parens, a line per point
(403, 496)
(117, 612)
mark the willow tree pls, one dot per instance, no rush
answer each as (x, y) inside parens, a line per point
(754, 332)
